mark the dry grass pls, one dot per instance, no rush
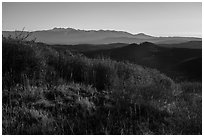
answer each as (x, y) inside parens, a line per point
(51, 92)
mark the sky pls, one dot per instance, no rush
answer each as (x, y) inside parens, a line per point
(157, 19)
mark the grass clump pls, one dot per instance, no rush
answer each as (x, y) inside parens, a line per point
(57, 92)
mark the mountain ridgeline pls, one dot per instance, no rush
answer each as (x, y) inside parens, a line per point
(67, 36)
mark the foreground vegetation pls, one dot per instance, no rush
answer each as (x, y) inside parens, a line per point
(57, 92)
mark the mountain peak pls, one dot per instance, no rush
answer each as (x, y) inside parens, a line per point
(62, 29)
(143, 36)
(147, 43)
(133, 45)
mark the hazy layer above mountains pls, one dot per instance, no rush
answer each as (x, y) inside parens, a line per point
(75, 36)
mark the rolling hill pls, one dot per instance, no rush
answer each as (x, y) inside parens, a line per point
(88, 47)
(46, 91)
(175, 62)
(189, 45)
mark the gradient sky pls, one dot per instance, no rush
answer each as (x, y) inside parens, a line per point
(157, 19)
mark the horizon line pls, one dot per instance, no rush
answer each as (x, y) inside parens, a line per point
(100, 30)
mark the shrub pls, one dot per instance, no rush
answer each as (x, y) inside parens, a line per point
(20, 61)
(56, 92)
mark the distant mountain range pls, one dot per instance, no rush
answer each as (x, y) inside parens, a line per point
(67, 36)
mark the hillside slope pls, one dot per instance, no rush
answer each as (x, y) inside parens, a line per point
(45, 91)
(188, 45)
(167, 60)
(88, 47)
